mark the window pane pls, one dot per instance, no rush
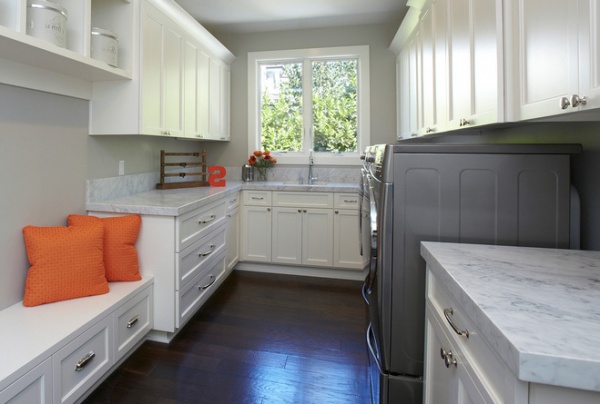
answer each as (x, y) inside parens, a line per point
(281, 106)
(334, 106)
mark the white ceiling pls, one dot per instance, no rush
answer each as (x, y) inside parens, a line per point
(274, 15)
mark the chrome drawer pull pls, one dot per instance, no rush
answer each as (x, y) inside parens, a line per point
(447, 314)
(210, 219)
(257, 198)
(213, 279)
(133, 321)
(83, 362)
(349, 201)
(212, 246)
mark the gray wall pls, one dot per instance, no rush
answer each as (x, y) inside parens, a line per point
(382, 65)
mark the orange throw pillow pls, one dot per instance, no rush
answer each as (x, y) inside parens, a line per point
(120, 235)
(66, 263)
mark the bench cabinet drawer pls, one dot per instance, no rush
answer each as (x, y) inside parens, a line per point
(133, 321)
(193, 225)
(83, 361)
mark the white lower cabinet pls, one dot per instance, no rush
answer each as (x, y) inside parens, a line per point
(302, 236)
(468, 369)
(301, 228)
(232, 233)
(176, 250)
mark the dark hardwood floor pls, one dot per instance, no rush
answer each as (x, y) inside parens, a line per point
(261, 338)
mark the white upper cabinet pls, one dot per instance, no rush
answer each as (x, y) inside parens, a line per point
(474, 62)
(554, 57)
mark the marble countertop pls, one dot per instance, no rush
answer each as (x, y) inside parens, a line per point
(539, 308)
(175, 202)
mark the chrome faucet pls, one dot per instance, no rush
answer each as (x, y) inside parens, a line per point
(310, 168)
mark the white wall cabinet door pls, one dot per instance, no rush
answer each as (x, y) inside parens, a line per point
(556, 67)
(219, 88)
(162, 86)
(408, 87)
(474, 58)
(256, 233)
(433, 68)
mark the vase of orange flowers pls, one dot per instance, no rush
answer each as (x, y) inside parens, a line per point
(261, 161)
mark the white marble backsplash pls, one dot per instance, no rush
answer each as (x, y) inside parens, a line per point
(126, 185)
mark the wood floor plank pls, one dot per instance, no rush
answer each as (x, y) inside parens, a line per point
(261, 338)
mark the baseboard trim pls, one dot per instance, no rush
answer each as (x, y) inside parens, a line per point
(346, 274)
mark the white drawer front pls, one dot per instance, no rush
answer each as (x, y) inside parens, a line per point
(69, 382)
(233, 201)
(257, 198)
(346, 201)
(193, 225)
(474, 348)
(195, 292)
(32, 388)
(133, 321)
(193, 259)
(303, 199)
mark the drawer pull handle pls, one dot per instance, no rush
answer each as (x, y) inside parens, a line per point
(257, 198)
(447, 314)
(448, 358)
(83, 362)
(349, 201)
(212, 247)
(210, 219)
(132, 321)
(212, 280)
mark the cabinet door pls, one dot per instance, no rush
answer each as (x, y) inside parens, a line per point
(589, 53)
(232, 238)
(162, 82)
(219, 100)
(173, 81)
(256, 233)
(190, 90)
(408, 76)
(152, 112)
(203, 96)
(474, 54)
(317, 237)
(346, 240)
(547, 53)
(287, 235)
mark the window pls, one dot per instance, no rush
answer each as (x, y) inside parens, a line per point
(309, 100)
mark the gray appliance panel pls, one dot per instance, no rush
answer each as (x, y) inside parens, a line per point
(490, 199)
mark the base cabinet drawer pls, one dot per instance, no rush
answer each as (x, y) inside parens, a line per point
(32, 388)
(192, 225)
(82, 362)
(195, 292)
(132, 322)
(193, 259)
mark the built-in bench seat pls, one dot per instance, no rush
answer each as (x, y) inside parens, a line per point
(55, 353)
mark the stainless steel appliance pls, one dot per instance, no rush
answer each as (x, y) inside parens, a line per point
(492, 194)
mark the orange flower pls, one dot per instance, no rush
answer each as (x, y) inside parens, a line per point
(252, 160)
(257, 153)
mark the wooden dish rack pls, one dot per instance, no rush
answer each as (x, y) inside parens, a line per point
(203, 182)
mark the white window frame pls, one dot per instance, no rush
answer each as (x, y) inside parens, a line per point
(361, 53)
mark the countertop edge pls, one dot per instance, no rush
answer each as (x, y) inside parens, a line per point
(138, 203)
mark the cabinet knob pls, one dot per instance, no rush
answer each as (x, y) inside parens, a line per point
(576, 100)
(268, 209)
(337, 212)
(429, 129)
(564, 103)
(464, 122)
(299, 210)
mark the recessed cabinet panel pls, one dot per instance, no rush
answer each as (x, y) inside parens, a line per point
(152, 78)
(34, 387)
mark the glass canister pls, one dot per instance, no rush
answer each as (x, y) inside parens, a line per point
(247, 173)
(105, 46)
(47, 21)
